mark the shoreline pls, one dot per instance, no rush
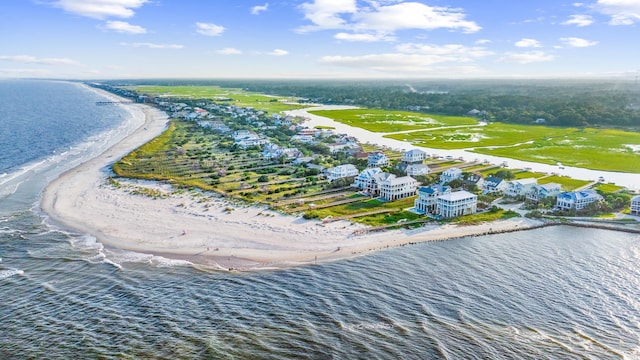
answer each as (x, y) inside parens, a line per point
(206, 229)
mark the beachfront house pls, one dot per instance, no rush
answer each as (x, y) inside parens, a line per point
(577, 200)
(396, 188)
(635, 205)
(417, 169)
(377, 159)
(415, 156)
(369, 180)
(541, 191)
(428, 198)
(450, 174)
(494, 184)
(341, 171)
(520, 187)
(457, 203)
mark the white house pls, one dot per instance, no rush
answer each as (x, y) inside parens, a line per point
(428, 198)
(494, 184)
(417, 169)
(541, 191)
(395, 188)
(377, 159)
(450, 174)
(303, 138)
(577, 199)
(414, 156)
(457, 203)
(341, 171)
(520, 187)
(635, 205)
(369, 180)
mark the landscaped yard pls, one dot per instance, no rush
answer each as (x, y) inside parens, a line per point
(378, 120)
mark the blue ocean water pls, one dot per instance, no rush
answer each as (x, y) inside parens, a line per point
(552, 293)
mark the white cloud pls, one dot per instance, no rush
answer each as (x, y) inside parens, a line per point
(395, 63)
(482, 41)
(28, 59)
(528, 43)
(364, 37)
(414, 15)
(209, 29)
(458, 53)
(278, 52)
(100, 9)
(579, 20)
(382, 17)
(125, 27)
(324, 14)
(622, 12)
(259, 8)
(229, 51)
(578, 42)
(152, 45)
(527, 57)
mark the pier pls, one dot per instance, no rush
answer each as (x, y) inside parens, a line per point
(114, 102)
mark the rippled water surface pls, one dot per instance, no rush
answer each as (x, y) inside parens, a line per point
(555, 293)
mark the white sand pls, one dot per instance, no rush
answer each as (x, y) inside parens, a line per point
(200, 228)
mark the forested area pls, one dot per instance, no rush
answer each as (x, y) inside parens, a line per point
(560, 103)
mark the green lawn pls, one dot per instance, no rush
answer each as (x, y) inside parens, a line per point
(238, 97)
(378, 120)
(567, 183)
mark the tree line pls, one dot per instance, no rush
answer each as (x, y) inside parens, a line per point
(573, 103)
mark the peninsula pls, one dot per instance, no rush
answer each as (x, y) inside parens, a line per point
(179, 221)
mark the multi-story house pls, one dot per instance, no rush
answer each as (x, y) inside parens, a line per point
(541, 191)
(520, 187)
(417, 169)
(377, 159)
(341, 171)
(450, 174)
(494, 184)
(428, 198)
(577, 200)
(396, 188)
(414, 156)
(457, 203)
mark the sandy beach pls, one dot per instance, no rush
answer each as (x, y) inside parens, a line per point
(207, 229)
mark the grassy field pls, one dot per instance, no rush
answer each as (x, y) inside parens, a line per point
(378, 120)
(236, 97)
(567, 183)
(598, 149)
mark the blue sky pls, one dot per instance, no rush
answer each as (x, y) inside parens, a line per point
(93, 39)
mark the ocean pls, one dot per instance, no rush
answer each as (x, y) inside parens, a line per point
(551, 293)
